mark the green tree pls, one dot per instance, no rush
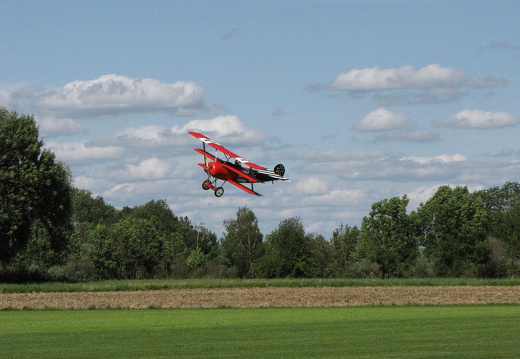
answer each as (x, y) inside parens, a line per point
(503, 207)
(88, 211)
(288, 250)
(130, 248)
(453, 227)
(157, 212)
(387, 236)
(344, 242)
(318, 263)
(241, 246)
(34, 187)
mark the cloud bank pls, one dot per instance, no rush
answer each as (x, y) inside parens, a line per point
(479, 119)
(115, 94)
(406, 77)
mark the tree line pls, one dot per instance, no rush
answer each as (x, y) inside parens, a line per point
(50, 230)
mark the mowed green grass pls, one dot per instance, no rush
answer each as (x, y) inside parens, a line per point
(361, 332)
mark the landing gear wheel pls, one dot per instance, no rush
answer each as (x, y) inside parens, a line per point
(279, 169)
(219, 191)
(206, 185)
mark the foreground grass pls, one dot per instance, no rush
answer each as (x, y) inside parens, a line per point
(158, 284)
(367, 332)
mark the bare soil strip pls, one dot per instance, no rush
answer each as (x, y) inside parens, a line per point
(307, 297)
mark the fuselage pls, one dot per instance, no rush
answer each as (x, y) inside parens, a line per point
(218, 171)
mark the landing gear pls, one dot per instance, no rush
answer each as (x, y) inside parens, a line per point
(219, 191)
(208, 184)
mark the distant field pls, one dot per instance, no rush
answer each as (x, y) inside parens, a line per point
(361, 332)
(184, 294)
(264, 297)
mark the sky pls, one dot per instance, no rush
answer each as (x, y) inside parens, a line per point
(361, 101)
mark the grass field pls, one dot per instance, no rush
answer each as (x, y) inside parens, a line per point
(361, 332)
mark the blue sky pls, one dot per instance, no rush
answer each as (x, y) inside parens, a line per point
(360, 100)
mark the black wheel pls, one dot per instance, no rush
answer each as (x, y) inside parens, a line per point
(279, 169)
(219, 191)
(206, 185)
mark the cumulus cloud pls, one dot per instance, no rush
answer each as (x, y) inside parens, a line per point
(229, 128)
(311, 185)
(74, 152)
(406, 77)
(339, 197)
(152, 168)
(51, 126)
(115, 94)
(439, 159)
(383, 120)
(386, 166)
(479, 119)
(152, 136)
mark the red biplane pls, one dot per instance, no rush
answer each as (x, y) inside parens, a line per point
(233, 171)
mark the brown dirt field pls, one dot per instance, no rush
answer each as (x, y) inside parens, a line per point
(307, 297)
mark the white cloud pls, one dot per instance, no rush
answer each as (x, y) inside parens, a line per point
(311, 185)
(229, 128)
(440, 159)
(152, 168)
(383, 120)
(479, 119)
(79, 151)
(51, 126)
(5, 99)
(337, 197)
(405, 77)
(115, 94)
(432, 84)
(151, 136)
(385, 166)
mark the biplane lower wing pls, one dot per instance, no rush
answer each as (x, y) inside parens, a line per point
(240, 173)
(244, 188)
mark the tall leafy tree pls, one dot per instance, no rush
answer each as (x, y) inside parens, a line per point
(131, 248)
(387, 236)
(241, 245)
(503, 206)
(35, 188)
(454, 225)
(157, 212)
(318, 264)
(344, 242)
(288, 250)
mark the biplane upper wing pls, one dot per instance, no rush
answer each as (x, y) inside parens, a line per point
(224, 150)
